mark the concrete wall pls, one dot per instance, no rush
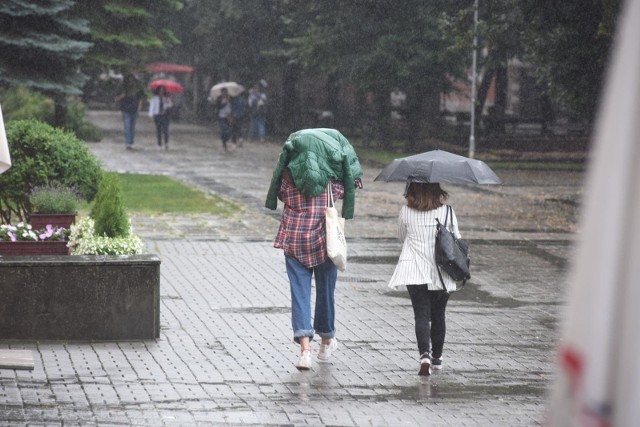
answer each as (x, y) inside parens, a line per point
(87, 297)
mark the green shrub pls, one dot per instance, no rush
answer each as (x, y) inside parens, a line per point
(24, 104)
(54, 199)
(42, 155)
(76, 122)
(20, 103)
(108, 210)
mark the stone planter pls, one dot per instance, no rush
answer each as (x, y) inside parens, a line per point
(25, 247)
(39, 221)
(84, 297)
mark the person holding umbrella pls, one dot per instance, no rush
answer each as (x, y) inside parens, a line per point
(224, 112)
(159, 109)
(417, 270)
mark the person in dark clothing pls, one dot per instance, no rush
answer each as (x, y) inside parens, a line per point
(130, 102)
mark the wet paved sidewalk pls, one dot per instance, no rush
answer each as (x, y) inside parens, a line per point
(225, 355)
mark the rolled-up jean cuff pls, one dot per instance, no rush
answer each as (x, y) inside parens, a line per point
(302, 333)
(327, 335)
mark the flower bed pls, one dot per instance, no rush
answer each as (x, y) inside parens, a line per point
(22, 239)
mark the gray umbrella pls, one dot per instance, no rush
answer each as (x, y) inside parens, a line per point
(439, 166)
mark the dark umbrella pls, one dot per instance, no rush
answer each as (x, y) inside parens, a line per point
(439, 166)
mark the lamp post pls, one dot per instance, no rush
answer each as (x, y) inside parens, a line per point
(474, 78)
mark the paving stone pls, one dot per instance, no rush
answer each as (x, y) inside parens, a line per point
(225, 355)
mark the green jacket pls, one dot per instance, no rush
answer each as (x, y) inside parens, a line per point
(314, 157)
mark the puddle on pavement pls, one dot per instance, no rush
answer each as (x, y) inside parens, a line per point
(473, 293)
(255, 310)
(310, 386)
(430, 389)
(349, 279)
(392, 260)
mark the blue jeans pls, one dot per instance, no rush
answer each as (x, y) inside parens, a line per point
(129, 120)
(429, 313)
(257, 127)
(225, 130)
(325, 313)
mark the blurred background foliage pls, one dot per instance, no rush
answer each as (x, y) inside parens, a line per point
(318, 58)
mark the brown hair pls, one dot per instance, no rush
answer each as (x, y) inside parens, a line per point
(425, 196)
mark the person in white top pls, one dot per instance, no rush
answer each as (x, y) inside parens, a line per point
(159, 109)
(417, 268)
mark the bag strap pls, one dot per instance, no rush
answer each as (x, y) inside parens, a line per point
(446, 219)
(330, 202)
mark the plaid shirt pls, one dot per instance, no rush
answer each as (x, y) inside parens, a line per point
(302, 232)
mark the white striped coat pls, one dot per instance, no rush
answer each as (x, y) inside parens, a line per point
(417, 231)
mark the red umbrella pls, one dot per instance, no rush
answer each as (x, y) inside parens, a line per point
(169, 85)
(165, 67)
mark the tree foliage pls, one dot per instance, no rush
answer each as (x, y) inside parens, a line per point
(41, 43)
(566, 44)
(230, 39)
(378, 45)
(127, 34)
(569, 43)
(108, 211)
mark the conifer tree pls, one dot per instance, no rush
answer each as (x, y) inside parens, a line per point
(42, 43)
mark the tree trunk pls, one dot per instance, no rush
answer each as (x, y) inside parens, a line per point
(383, 110)
(483, 92)
(60, 112)
(289, 114)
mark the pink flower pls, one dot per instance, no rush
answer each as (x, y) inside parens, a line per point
(48, 233)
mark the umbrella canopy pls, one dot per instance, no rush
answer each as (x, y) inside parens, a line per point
(165, 67)
(439, 166)
(5, 158)
(169, 85)
(233, 88)
(598, 376)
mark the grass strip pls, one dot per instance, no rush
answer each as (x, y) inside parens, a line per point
(159, 194)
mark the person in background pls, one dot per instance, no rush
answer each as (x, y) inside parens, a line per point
(224, 113)
(239, 114)
(130, 102)
(257, 114)
(159, 109)
(417, 270)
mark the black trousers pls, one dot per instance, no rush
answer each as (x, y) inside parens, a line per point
(162, 128)
(429, 314)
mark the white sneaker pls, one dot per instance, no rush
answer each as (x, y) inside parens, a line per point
(304, 363)
(425, 367)
(326, 350)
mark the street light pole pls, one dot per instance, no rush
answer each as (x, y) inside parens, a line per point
(474, 78)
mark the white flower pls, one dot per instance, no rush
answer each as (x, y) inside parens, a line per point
(83, 241)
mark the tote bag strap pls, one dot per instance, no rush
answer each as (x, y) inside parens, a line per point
(330, 202)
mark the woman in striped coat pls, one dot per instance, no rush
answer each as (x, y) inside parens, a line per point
(417, 269)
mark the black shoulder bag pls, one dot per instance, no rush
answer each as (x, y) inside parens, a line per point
(452, 255)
